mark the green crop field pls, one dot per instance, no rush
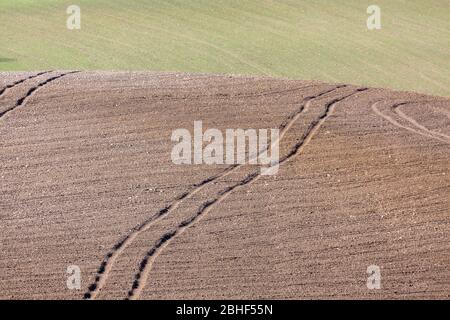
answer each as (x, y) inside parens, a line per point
(317, 39)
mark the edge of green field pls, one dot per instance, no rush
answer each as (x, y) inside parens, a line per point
(318, 39)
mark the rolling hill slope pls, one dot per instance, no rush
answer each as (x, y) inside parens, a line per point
(321, 40)
(87, 180)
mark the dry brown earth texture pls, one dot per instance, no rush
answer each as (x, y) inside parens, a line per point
(87, 180)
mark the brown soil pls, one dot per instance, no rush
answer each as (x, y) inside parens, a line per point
(87, 179)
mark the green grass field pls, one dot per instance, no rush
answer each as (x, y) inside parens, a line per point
(317, 39)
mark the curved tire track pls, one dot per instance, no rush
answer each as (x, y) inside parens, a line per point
(32, 90)
(417, 128)
(106, 266)
(146, 263)
(12, 85)
(403, 115)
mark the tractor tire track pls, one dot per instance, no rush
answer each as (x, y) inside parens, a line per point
(12, 85)
(106, 266)
(403, 115)
(417, 128)
(32, 90)
(146, 263)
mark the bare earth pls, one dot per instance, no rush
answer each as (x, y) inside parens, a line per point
(87, 180)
